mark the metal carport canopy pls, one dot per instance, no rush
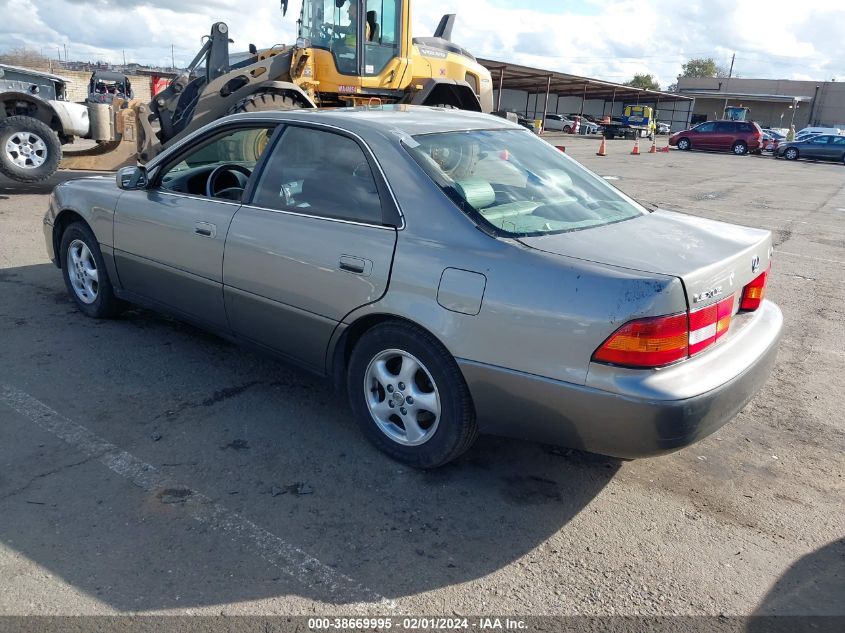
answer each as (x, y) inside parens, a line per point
(509, 76)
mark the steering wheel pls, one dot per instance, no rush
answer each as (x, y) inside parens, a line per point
(211, 184)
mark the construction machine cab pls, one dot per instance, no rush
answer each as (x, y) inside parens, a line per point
(361, 36)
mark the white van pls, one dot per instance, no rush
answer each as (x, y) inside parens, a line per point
(812, 131)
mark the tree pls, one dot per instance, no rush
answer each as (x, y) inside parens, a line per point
(646, 81)
(26, 58)
(702, 67)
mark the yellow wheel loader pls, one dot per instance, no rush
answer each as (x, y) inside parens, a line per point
(347, 53)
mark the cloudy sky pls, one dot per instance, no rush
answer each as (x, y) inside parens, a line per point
(609, 39)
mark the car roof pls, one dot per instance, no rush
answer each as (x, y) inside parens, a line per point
(402, 119)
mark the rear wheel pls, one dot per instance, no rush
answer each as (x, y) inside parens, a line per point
(409, 396)
(684, 144)
(740, 148)
(29, 150)
(791, 154)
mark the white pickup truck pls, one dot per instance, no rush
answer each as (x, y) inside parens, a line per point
(36, 119)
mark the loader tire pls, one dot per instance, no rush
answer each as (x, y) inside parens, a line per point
(29, 150)
(263, 102)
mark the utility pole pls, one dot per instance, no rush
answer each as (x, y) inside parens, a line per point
(65, 52)
(172, 57)
(124, 59)
(731, 71)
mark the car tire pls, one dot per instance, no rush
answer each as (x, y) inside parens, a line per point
(791, 154)
(567, 129)
(29, 150)
(684, 144)
(409, 396)
(85, 274)
(740, 148)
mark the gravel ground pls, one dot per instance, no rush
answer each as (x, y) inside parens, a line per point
(208, 479)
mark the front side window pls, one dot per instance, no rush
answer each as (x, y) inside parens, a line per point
(518, 184)
(219, 167)
(314, 172)
(705, 127)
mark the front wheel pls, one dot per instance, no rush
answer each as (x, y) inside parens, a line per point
(567, 129)
(740, 148)
(409, 396)
(791, 154)
(684, 144)
(29, 150)
(85, 273)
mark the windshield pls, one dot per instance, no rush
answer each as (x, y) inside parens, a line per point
(333, 26)
(519, 184)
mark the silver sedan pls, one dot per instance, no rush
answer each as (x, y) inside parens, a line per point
(450, 271)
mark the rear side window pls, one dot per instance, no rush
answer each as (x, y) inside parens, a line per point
(746, 127)
(838, 140)
(321, 173)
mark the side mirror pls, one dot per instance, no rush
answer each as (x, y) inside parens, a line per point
(131, 177)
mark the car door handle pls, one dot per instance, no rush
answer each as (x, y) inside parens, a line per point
(205, 229)
(355, 265)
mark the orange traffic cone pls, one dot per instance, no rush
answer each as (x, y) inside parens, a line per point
(636, 150)
(602, 148)
(653, 148)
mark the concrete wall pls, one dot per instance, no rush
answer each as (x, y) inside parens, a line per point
(828, 109)
(77, 85)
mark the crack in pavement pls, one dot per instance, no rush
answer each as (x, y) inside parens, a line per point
(55, 471)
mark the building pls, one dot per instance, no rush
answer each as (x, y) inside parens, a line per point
(535, 92)
(773, 102)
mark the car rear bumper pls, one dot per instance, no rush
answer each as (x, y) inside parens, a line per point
(632, 417)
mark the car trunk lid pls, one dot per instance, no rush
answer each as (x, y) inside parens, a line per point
(713, 259)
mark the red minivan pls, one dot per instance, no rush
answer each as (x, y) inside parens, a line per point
(739, 137)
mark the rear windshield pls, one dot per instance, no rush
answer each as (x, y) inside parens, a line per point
(518, 184)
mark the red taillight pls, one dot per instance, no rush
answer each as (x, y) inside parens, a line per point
(709, 324)
(659, 341)
(648, 342)
(752, 294)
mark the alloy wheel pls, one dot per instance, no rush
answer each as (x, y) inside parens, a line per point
(402, 397)
(82, 271)
(26, 150)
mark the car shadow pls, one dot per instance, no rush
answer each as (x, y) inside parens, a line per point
(807, 597)
(273, 445)
(10, 187)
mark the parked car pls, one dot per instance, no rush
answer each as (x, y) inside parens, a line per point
(663, 128)
(739, 137)
(456, 276)
(771, 140)
(528, 124)
(586, 123)
(821, 147)
(560, 123)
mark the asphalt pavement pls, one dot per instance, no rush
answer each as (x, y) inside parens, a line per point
(148, 467)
